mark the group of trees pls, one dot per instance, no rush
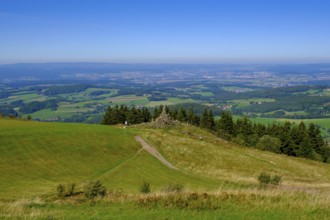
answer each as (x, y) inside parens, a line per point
(312, 105)
(7, 110)
(290, 139)
(120, 114)
(62, 89)
(39, 105)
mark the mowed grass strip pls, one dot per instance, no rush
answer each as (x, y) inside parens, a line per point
(144, 167)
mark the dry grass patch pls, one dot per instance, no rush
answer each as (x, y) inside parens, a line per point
(198, 151)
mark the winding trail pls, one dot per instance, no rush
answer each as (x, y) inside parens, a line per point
(155, 153)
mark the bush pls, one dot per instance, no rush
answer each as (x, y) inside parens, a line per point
(60, 190)
(145, 187)
(94, 188)
(70, 189)
(192, 201)
(63, 191)
(174, 188)
(276, 180)
(269, 143)
(264, 178)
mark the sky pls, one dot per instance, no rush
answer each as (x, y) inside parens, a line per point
(165, 31)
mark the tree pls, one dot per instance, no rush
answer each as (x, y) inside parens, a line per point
(259, 129)
(284, 136)
(132, 116)
(269, 143)
(305, 149)
(145, 115)
(211, 120)
(244, 130)
(192, 118)
(107, 119)
(174, 114)
(145, 187)
(207, 120)
(316, 138)
(94, 188)
(157, 112)
(182, 116)
(226, 123)
(243, 126)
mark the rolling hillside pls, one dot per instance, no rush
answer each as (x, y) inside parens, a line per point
(197, 151)
(35, 157)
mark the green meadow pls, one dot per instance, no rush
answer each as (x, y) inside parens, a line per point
(324, 123)
(219, 178)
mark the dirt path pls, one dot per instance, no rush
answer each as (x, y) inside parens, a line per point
(155, 153)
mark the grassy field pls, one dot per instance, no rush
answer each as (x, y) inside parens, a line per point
(269, 204)
(207, 94)
(79, 103)
(26, 97)
(219, 177)
(246, 102)
(169, 101)
(235, 88)
(129, 100)
(35, 157)
(324, 123)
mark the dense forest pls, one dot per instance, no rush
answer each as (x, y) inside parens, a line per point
(290, 139)
(38, 105)
(62, 89)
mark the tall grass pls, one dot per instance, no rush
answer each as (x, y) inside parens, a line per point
(273, 203)
(198, 152)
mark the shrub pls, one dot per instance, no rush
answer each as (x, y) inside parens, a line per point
(276, 180)
(60, 190)
(63, 191)
(94, 188)
(192, 201)
(145, 187)
(70, 189)
(269, 143)
(264, 178)
(174, 188)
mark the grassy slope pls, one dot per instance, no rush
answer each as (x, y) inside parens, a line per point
(35, 157)
(199, 152)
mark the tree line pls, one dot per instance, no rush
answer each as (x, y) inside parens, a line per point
(121, 114)
(287, 138)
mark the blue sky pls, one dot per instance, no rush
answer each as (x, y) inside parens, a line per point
(165, 31)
